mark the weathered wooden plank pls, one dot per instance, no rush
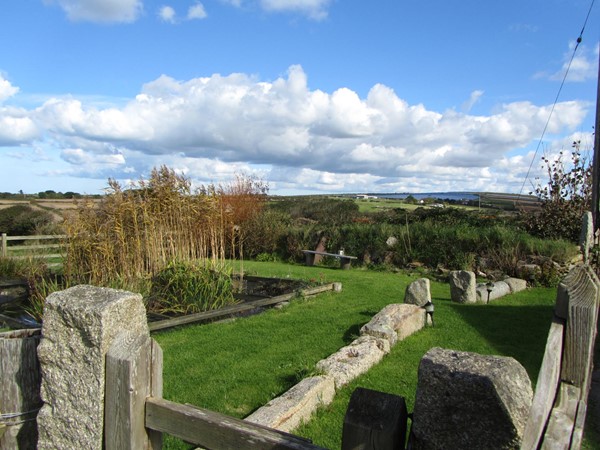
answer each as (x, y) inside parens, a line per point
(38, 237)
(547, 385)
(156, 390)
(128, 384)
(34, 247)
(20, 380)
(580, 334)
(577, 437)
(216, 431)
(562, 419)
(38, 255)
(233, 309)
(16, 323)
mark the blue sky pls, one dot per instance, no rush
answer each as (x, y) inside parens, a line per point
(313, 96)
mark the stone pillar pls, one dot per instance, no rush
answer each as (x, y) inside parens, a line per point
(80, 324)
(586, 239)
(463, 286)
(418, 292)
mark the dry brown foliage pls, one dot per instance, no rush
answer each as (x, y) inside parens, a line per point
(135, 232)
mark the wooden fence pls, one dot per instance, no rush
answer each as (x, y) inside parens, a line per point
(37, 250)
(557, 416)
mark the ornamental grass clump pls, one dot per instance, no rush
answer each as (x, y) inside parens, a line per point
(190, 287)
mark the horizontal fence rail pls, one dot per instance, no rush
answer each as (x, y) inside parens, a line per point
(31, 250)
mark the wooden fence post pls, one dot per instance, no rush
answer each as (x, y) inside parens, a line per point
(557, 416)
(19, 388)
(4, 245)
(133, 373)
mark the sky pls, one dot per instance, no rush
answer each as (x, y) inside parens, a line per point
(311, 96)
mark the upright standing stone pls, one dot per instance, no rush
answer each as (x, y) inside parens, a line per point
(586, 240)
(418, 292)
(470, 401)
(79, 327)
(463, 286)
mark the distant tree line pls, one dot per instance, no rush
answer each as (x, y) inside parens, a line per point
(45, 195)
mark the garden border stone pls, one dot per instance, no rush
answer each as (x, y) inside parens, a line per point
(394, 322)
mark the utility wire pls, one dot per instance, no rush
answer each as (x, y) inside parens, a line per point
(579, 39)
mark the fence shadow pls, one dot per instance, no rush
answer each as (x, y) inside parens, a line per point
(517, 331)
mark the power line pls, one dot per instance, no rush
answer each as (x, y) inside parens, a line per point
(579, 39)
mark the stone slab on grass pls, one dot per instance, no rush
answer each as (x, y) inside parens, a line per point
(500, 289)
(516, 284)
(395, 322)
(290, 409)
(355, 359)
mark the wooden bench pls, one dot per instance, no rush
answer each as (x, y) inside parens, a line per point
(345, 260)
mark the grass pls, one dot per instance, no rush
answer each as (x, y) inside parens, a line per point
(237, 367)
(378, 204)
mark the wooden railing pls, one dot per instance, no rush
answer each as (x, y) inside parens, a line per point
(557, 416)
(136, 415)
(37, 250)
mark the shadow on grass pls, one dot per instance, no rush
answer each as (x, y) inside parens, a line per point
(517, 331)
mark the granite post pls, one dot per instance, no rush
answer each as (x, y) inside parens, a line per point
(80, 324)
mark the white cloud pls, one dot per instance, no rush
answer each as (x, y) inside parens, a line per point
(78, 156)
(211, 127)
(100, 11)
(167, 14)
(583, 67)
(196, 11)
(473, 99)
(315, 9)
(7, 90)
(16, 128)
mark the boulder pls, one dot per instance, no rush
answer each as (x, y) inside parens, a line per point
(418, 292)
(470, 401)
(392, 241)
(462, 286)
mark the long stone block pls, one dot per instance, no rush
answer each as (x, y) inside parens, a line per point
(288, 411)
(516, 284)
(500, 289)
(80, 324)
(395, 322)
(355, 359)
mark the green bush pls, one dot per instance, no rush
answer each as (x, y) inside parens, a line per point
(22, 220)
(189, 287)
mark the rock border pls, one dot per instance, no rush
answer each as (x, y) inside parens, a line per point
(393, 323)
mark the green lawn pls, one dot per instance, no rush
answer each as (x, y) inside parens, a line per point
(237, 367)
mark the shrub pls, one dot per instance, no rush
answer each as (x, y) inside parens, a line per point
(564, 198)
(22, 220)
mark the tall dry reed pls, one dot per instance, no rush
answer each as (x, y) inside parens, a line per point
(135, 232)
